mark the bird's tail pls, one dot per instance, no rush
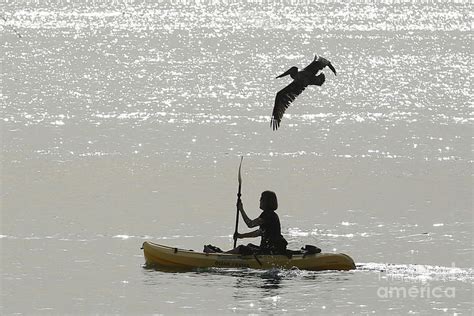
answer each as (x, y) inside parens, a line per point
(318, 80)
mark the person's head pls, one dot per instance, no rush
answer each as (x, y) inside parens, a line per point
(268, 201)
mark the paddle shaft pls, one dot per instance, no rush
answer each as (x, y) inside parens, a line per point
(238, 200)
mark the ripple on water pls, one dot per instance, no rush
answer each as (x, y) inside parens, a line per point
(417, 272)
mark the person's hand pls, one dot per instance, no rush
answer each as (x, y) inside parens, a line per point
(236, 236)
(240, 206)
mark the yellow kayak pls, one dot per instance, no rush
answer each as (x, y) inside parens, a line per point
(169, 258)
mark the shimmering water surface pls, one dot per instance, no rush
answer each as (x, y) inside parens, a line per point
(124, 121)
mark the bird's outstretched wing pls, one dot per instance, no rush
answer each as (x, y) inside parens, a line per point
(282, 101)
(318, 64)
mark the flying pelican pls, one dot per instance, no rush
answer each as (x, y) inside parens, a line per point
(301, 79)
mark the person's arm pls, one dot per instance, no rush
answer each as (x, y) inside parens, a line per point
(250, 223)
(252, 234)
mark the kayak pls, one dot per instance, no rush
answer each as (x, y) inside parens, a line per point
(169, 258)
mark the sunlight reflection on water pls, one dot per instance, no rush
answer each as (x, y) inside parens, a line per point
(122, 123)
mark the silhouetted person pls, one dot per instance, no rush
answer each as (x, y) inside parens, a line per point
(269, 226)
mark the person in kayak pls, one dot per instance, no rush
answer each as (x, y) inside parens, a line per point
(269, 227)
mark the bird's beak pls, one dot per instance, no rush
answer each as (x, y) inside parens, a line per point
(332, 69)
(286, 73)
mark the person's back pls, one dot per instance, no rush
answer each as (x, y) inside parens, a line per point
(272, 240)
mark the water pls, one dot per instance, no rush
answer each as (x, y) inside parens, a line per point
(124, 121)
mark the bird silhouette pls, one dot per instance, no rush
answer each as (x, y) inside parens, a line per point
(301, 79)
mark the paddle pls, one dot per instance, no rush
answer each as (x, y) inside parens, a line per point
(238, 200)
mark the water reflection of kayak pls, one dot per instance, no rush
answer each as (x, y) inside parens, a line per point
(169, 258)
